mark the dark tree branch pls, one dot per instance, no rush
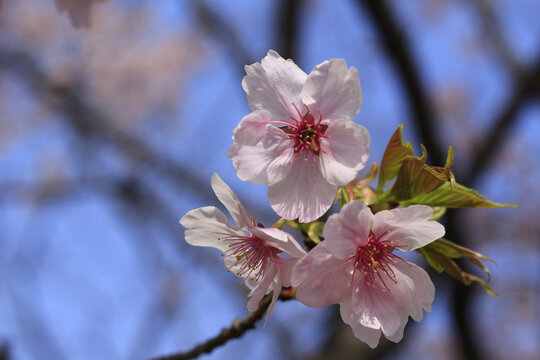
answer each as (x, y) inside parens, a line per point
(222, 31)
(287, 25)
(397, 47)
(238, 328)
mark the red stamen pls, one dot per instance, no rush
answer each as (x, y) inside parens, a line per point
(305, 134)
(374, 260)
(252, 254)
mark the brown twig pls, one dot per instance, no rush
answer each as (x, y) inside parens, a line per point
(238, 328)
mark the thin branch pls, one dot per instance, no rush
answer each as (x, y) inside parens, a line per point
(492, 33)
(238, 328)
(526, 87)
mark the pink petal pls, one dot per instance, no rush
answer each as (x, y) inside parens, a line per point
(265, 163)
(375, 308)
(228, 198)
(252, 128)
(345, 231)
(408, 227)
(398, 335)
(303, 194)
(414, 290)
(205, 226)
(335, 90)
(274, 85)
(78, 10)
(323, 278)
(346, 151)
(368, 335)
(279, 239)
(285, 268)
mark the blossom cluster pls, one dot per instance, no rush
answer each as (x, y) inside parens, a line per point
(300, 141)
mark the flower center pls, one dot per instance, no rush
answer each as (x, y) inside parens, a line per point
(252, 255)
(305, 134)
(374, 260)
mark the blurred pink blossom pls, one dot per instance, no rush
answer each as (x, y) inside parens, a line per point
(78, 11)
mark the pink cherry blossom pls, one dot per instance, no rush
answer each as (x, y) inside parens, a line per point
(355, 266)
(300, 140)
(250, 251)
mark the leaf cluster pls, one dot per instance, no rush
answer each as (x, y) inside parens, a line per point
(405, 179)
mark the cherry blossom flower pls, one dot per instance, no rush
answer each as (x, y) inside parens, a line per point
(300, 140)
(250, 251)
(355, 266)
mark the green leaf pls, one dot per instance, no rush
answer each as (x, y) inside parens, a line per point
(394, 155)
(312, 232)
(438, 212)
(369, 177)
(315, 231)
(415, 177)
(365, 193)
(440, 254)
(357, 189)
(454, 195)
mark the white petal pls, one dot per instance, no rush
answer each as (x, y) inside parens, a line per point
(323, 278)
(275, 296)
(409, 228)
(228, 198)
(368, 335)
(265, 163)
(251, 283)
(205, 226)
(279, 239)
(252, 128)
(262, 288)
(274, 85)
(345, 152)
(303, 194)
(345, 231)
(335, 90)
